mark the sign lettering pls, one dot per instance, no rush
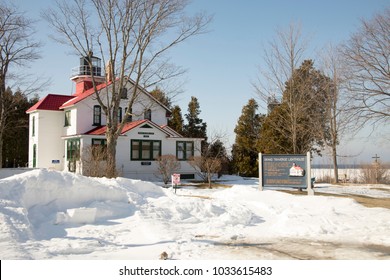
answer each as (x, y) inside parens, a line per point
(285, 171)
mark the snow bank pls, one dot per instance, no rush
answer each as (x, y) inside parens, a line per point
(33, 200)
(51, 214)
(7, 172)
(315, 217)
(65, 190)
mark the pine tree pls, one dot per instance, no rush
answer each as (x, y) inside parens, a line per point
(306, 99)
(195, 126)
(247, 131)
(274, 141)
(176, 120)
(299, 123)
(217, 150)
(161, 97)
(18, 50)
(15, 140)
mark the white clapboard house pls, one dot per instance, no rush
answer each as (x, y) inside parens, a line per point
(62, 127)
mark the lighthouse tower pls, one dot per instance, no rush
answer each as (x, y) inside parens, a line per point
(89, 70)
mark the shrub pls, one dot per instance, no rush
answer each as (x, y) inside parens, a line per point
(374, 174)
(167, 165)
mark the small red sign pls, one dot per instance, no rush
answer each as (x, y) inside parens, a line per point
(175, 179)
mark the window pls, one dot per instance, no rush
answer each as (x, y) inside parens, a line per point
(97, 115)
(99, 149)
(129, 117)
(124, 93)
(73, 149)
(119, 114)
(145, 149)
(187, 176)
(67, 118)
(33, 126)
(102, 142)
(184, 150)
(34, 155)
(148, 115)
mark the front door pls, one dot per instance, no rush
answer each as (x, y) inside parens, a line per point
(73, 153)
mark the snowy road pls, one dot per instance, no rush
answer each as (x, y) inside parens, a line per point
(301, 249)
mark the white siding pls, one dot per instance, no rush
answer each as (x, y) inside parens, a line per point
(82, 113)
(72, 128)
(49, 127)
(85, 113)
(135, 169)
(33, 139)
(158, 112)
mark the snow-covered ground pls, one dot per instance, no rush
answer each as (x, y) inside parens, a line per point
(53, 215)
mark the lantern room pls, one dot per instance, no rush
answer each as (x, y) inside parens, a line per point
(88, 71)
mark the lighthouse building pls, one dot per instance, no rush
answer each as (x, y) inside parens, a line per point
(64, 129)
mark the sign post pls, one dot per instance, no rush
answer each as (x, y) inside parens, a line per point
(285, 171)
(310, 190)
(260, 172)
(175, 178)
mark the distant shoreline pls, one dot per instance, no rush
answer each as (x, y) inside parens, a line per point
(347, 166)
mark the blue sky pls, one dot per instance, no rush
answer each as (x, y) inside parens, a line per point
(222, 63)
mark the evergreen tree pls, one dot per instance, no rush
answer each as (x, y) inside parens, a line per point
(18, 49)
(15, 140)
(247, 131)
(274, 141)
(176, 120)
(299, 124)
(195, 126)
(217, 150)
(161, 97)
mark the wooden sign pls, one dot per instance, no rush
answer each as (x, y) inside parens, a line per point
(285, 171)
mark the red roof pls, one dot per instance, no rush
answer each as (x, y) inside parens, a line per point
(50, 102)
(77, 98)
(58, 102)
(101, 130)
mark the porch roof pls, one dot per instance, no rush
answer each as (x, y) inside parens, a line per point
(101, 130)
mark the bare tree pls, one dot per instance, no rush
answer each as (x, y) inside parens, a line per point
(337, 101)
(298, 124)
(211, 159)
(281, 57)
(367, 56)
(167, 165)
(206, 167)
(375, 173)
(17, 49)
(131, 37)
(94, 160)
(276, 84)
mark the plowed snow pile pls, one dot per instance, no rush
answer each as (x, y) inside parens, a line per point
(48, 214)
